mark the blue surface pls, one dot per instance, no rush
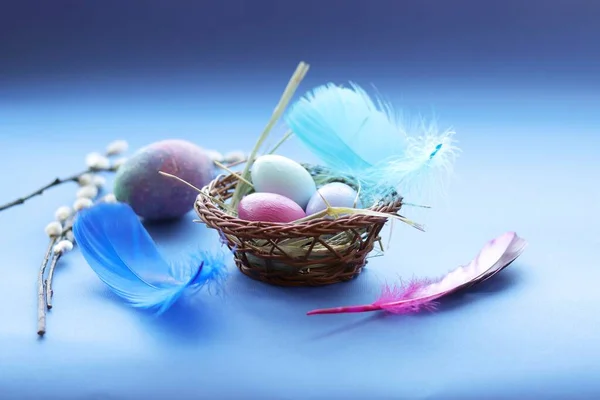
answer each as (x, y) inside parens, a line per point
(517, 80)
(532, 331)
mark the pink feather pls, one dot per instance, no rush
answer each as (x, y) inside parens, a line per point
(419, 295)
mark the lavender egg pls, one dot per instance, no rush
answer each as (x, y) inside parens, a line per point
(156, 197)
(269, 207)
(337, 194)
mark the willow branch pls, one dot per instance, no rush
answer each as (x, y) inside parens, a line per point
(55, 182)
(41, 330)
(49, 291)
(67, 229)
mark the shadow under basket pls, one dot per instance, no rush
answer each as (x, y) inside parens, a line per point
(317, 252)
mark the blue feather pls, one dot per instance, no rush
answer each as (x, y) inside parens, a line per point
(358, 137)
(121, 252)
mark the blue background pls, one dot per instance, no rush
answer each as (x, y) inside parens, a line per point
(517, 80)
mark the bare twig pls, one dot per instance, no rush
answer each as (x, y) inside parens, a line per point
(41, 303)
(66, 234)
(55, 182)
(200, 192)
(67, 228)
(49, 291)
(40, 191)
(226, 168)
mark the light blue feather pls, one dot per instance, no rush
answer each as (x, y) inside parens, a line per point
(357, 136)
(118, 248)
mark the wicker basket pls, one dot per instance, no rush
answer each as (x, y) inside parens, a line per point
(313, 253)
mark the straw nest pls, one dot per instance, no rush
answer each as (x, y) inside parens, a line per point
(314, 252)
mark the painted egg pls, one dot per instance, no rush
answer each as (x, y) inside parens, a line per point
(337, 194)
(156, 197)
(269, 207)
(281, 175)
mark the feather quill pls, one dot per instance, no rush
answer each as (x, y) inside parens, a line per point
(360, 138)
(422, 294)
(121, 252)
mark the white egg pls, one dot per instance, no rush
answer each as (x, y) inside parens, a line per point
(336, 194)
(281, 175)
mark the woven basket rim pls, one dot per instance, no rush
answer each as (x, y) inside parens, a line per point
(205, 202)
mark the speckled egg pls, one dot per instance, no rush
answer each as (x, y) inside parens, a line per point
(337, 194)
(157, 197)
(281, 175)
(269, 207)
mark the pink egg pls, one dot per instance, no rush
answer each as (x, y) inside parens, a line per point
(269, 207)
